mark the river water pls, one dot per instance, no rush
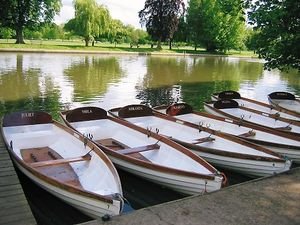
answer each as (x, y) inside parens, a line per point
(54, 82)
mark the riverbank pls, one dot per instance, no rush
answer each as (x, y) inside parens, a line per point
(77, 47)
(270, 200)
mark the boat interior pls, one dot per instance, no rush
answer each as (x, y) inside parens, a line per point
(61, 171)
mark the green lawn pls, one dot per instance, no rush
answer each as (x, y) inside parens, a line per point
(78, 45)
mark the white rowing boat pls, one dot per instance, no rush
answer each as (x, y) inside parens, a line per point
(231, 109)
(63, 163)
(258, 106)
(284, 144)
(222, 150)
(286, 102)
(144, 153)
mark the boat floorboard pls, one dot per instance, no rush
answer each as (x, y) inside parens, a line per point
(61, 172)
(14, 208)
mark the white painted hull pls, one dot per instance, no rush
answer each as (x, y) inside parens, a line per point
(91, 207)
(63, 163)
(263, 108)
(169, 165)
(254, 118)
(183, 184)
(185, 135)
(282, 145)
(245, 166)
(290, 105)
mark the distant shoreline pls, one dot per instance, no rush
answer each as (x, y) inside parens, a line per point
(68, 51)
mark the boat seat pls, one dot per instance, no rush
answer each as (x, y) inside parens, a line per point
(250, 133)
(86, 157)
(133, 152)
(203, 140)
(127, 151)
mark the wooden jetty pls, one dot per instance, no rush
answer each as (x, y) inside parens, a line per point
(14, 208)
(269, 200)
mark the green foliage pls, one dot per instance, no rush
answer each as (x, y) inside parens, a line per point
(91, 20)
(278, 23)
(6, 32)
(161, 18)
(20, 14)
(216, 25)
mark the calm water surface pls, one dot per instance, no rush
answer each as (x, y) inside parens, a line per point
(53, 82)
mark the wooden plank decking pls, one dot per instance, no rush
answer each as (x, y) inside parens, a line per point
(14, 208)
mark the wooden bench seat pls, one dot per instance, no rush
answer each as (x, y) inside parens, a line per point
(119, 147)
(127, 151)
(61, 161)
(202, 140)
(248, 134)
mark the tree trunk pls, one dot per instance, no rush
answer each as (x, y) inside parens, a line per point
(87, 40)
(170, 44)
(159, 44)
(19, 35)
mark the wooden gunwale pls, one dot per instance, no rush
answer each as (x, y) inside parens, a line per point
(147, 164)
(244, 122)
(249, 125)
(225, 136)
(282, 109)
(54, 182)
(274, 116)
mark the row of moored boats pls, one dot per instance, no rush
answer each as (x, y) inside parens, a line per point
(172, 145)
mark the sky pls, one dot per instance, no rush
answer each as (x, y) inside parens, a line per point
(124, 10)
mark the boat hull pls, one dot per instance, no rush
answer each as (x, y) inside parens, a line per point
(219, 149)
(91, 207)
(253, 168)
(183, 184)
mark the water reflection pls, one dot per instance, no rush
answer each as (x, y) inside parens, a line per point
(92, 75)
(52, 82)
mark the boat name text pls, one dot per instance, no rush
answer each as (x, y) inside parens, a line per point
(135, 108)
(86, 111)
(26, 115)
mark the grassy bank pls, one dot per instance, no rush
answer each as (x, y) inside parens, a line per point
(78, 45)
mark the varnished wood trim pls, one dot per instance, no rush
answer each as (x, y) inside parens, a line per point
(221, 135)
(58, 184)
(292, 135)
(86, 157)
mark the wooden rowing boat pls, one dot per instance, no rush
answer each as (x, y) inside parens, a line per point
(63, 162)
(145, 153)
(286, 102)
(284, 144)
(258, 106)
(220, 149)
(231, 109)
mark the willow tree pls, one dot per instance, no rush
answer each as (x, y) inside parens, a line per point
(21, 14)
(91, 20)
(161, 18)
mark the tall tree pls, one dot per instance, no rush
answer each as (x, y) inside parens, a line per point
(216, 25)
(161, 18)
(91, 20)
(278, 36)
(20, 14)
